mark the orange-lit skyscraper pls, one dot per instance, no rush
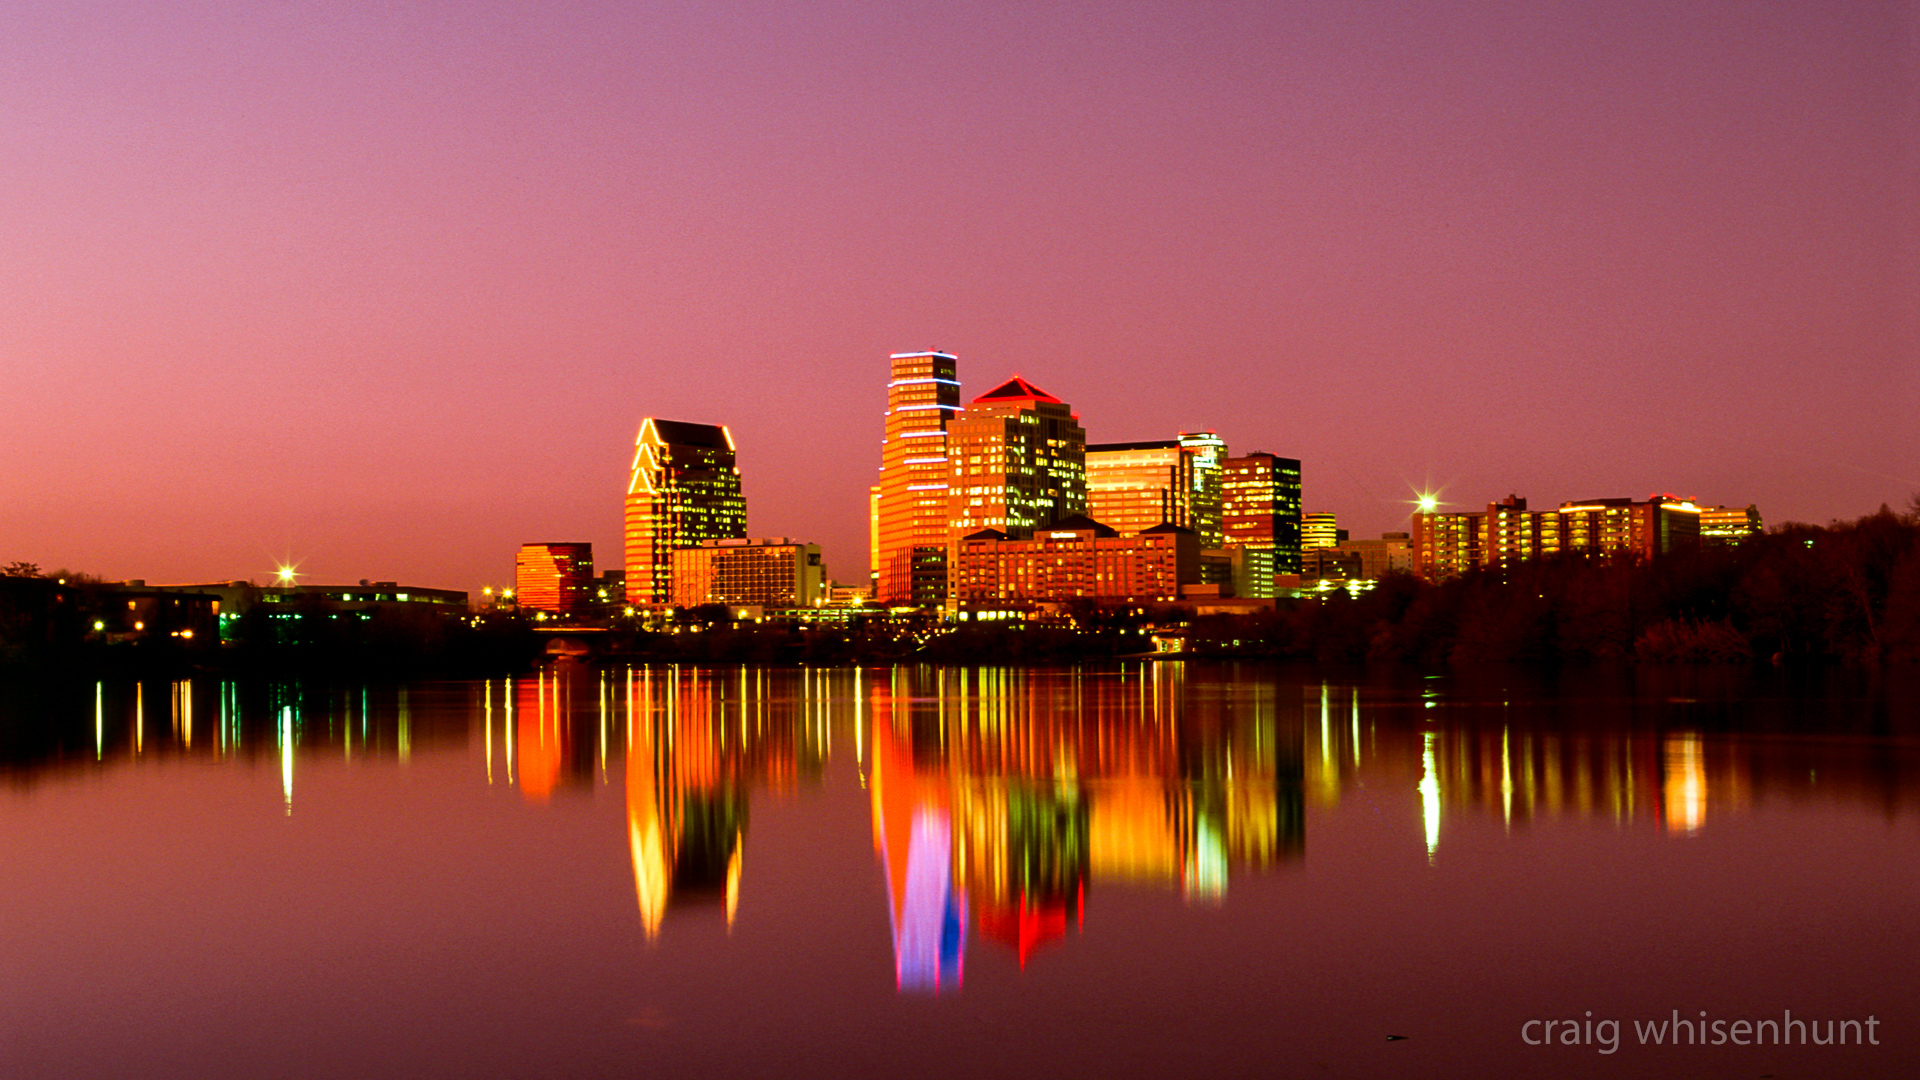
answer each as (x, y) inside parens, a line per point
(1018, 462)
(685, 489)
(1260, 507)
(909, 505)
(553, 577)
(1133, 486)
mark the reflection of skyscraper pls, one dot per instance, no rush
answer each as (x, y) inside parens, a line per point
(686, 810)
(1017, 793)
(1027, 858)
(909, 505)
(550, 754)
(913, 828)
(685, 489)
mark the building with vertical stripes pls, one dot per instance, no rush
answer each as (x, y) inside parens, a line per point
(908, 507)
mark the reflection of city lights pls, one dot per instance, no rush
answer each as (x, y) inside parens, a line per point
(1686, 786)
(1205, 876)
(1506, 779)
(286, 755)
(1430, 795)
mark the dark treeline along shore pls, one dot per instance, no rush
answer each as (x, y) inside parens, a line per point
(1845, 592)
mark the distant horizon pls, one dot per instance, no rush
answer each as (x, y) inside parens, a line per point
(506, 581)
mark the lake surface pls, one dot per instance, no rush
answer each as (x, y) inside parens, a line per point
(1163, 869)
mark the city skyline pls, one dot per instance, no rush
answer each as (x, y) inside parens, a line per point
(384, 295)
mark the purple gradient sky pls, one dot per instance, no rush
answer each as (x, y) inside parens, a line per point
(387, 287)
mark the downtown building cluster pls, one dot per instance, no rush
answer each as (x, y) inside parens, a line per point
(998, 505)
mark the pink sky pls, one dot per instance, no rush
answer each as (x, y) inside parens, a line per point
(387, 288)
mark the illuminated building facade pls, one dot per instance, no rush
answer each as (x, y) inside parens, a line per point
(1135, 486)
(1727, 526)
(908, 508)
(1017, 462)
(1074, 559)
(1318, 531)
(1209, 454)
(556, 578)
(685, 489)
(1260, 508)
(776, 573)
(1506, 532)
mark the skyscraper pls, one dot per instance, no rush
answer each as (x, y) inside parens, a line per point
(910, 502)
(1017, 462)
(685, 489)
(1209, 453)
(1134, 486)
(1260, 507)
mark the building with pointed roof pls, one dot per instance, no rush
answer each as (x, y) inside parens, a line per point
(685, 488)
(1016, 462)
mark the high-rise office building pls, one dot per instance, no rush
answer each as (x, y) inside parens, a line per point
(1209, 454)
(556, 578)
(909, 506)
(685, 489)
(1260, 507)
(1017, 462)
(1133, 486)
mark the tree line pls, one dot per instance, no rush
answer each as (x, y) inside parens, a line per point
(1847, 591)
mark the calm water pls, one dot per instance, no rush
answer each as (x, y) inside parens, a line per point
(1168, 870)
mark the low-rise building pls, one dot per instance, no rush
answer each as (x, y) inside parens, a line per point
(1728, 526)
(1448, 545)
(772, 572)
(1076, 558)
(555, 578)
